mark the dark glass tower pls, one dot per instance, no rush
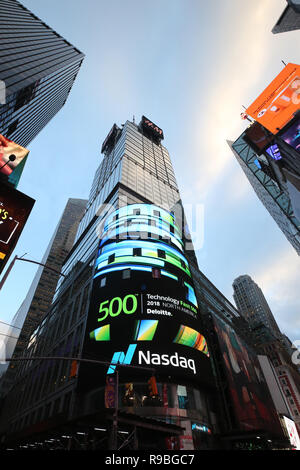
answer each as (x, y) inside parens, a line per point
(37, 69)
(265, 178)
(251, 303)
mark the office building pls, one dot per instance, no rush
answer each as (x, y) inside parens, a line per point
(40, 294)
(37, 70)
(268, 340)
(133, 296)
(289, 20)
(252, 305)
(271, 189)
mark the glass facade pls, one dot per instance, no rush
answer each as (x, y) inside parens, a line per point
(272, 195)
(38, 68)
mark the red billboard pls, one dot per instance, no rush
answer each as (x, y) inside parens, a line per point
(279, 102)
(15, 208)
(252, 402)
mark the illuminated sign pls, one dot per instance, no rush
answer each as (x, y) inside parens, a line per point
(201, 428)
(278, 103)
(292, 432)
(274, 152)
(15, 208)
(251, 399)
(152, 128)
(11, 155)
(143, 308)
(292, 135)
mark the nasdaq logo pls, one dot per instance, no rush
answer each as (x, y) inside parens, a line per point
(122, 358)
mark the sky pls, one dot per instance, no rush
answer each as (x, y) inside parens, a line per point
(190, 66)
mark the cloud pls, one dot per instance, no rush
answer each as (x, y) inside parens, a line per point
(232, 81)
(279, 281)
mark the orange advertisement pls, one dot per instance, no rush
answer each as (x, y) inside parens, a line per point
(276, 105)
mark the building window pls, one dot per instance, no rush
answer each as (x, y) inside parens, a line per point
(111, 258)
(126, 274)
(137, 251)
(103, 282)
(12, 127)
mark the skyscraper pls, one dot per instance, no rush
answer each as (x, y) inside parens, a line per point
(132, 297)
(37, 70)
(251, 303)
(40, 295)
(269, 187)
(289, 19)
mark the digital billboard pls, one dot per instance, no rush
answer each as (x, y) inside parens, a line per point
(11, 155)
(292, 135)
(252, 402)
(278, 103)
(143, 310)
(292, 432)
(274, 152)
(15, 208)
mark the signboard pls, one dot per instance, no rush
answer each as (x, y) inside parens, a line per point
(15, 208)
(11, 155)
(278, 103)
(152, 128)
(292, 432)
(292, 135)
(252, 402)
(143, 310)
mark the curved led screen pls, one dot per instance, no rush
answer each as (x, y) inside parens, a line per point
(143, 310)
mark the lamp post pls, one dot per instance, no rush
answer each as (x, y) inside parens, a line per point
(11, 158)
(28, 261)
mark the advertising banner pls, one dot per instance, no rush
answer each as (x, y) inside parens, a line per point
(15, 208)
(252, 402)
(292, 135)
(292, 432)
(143, 310)
(278, 103)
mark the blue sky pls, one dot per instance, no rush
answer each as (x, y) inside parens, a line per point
(188, 65)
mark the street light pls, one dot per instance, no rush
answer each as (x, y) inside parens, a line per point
(17, 258)
(11, 158)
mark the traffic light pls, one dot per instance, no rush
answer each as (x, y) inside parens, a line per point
(74, 369)
(152, 386)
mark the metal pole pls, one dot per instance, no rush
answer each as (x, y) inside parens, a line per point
(115, 417)
(28, 261)
(7, 272)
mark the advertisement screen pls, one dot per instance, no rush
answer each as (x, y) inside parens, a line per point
(15, 208)
(292, 136)
(143, 310)
(276, 105)
(11, 155)
(292, 432)
(252, 402)
(274, 152)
